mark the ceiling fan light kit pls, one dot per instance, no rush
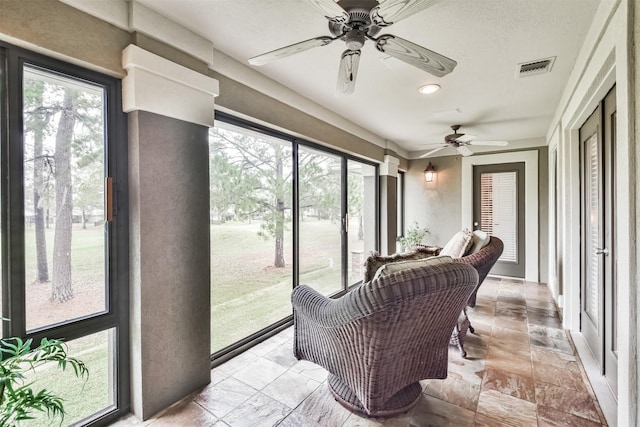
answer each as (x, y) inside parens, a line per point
(355, 21)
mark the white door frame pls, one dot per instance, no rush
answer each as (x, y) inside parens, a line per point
(530, 159)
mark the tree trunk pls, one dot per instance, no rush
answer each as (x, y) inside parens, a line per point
(40, 122)
(61, 289)
(360, 228)
(279, 212)
(84, 219)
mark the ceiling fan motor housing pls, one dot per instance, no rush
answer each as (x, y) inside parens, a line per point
(359, 19)
(355, 39)
(451, 139)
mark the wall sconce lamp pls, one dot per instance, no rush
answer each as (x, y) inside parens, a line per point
(430, 173)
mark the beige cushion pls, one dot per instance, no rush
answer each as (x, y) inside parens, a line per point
(458, 245)
(479, 240)
(374, 261)
(394, 267)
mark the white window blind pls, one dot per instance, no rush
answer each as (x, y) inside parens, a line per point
(593, 203)
(499, 210)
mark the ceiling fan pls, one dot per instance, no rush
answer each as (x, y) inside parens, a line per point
(460, 142)
(355, 21)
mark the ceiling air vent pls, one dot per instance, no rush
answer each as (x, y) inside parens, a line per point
(536, 67)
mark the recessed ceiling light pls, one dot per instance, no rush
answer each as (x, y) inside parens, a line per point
(430, 88)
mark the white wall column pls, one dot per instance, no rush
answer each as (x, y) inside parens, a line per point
(388, 204)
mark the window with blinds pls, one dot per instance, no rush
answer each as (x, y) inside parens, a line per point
(593, 205)
(499, 210)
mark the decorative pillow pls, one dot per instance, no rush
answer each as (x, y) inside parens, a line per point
(458, 245)
(479, 240)
(394, 267)
(374, 261)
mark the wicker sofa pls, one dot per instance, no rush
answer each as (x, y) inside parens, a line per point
(379, 340)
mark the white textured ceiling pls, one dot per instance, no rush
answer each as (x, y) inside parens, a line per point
(488, 38)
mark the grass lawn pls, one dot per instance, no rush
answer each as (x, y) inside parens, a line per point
(247, 294)
(81, 397)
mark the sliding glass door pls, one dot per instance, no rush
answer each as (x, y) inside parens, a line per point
(284, 212)
(361, 217)
(321, 220)
(251, 232)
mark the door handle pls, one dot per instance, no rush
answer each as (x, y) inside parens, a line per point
(602, 251)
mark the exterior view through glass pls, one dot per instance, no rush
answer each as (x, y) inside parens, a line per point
(255, 212)
(251, 232)
(63, 198)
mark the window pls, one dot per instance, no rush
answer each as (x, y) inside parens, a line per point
(400, 204)
(251, 232)
(321, 220)
(283, 212)
(64, 262)
(361, 210)
(499, 210)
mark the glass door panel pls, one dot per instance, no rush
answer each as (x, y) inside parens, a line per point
(251, 232)
(83, 397)
(361, 208)
(320, 205)
(64, 170)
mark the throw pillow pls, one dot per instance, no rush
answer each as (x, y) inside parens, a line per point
(458, 245)
(479, 240)
(394, 267)
(374, 261)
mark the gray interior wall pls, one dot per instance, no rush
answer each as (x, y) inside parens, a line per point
(170, 274)
(67, 32)
(434, 205)
(242, 99)
(437, 205)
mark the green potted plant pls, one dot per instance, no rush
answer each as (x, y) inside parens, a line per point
(18, 399)
(413, 237)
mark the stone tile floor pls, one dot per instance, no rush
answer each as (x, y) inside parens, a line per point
(521, 370)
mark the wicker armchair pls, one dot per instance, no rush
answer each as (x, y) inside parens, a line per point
(482, 261)
(379, 340)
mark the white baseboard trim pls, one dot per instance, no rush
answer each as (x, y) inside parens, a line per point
(608, 402)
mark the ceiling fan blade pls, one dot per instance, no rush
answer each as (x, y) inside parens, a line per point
(464, 151)
(428, 153)
(332, 11)
(348, 71)
(466, 138)
(391, 11)
(416, 55)
(495, 143)
(283, 52)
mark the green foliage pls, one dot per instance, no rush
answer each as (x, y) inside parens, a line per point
(18, 400)
(413, 237)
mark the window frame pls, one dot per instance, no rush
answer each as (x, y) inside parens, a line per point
(116, 314)
(238, 347)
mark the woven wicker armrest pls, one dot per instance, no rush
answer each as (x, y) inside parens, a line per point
(323, 311)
